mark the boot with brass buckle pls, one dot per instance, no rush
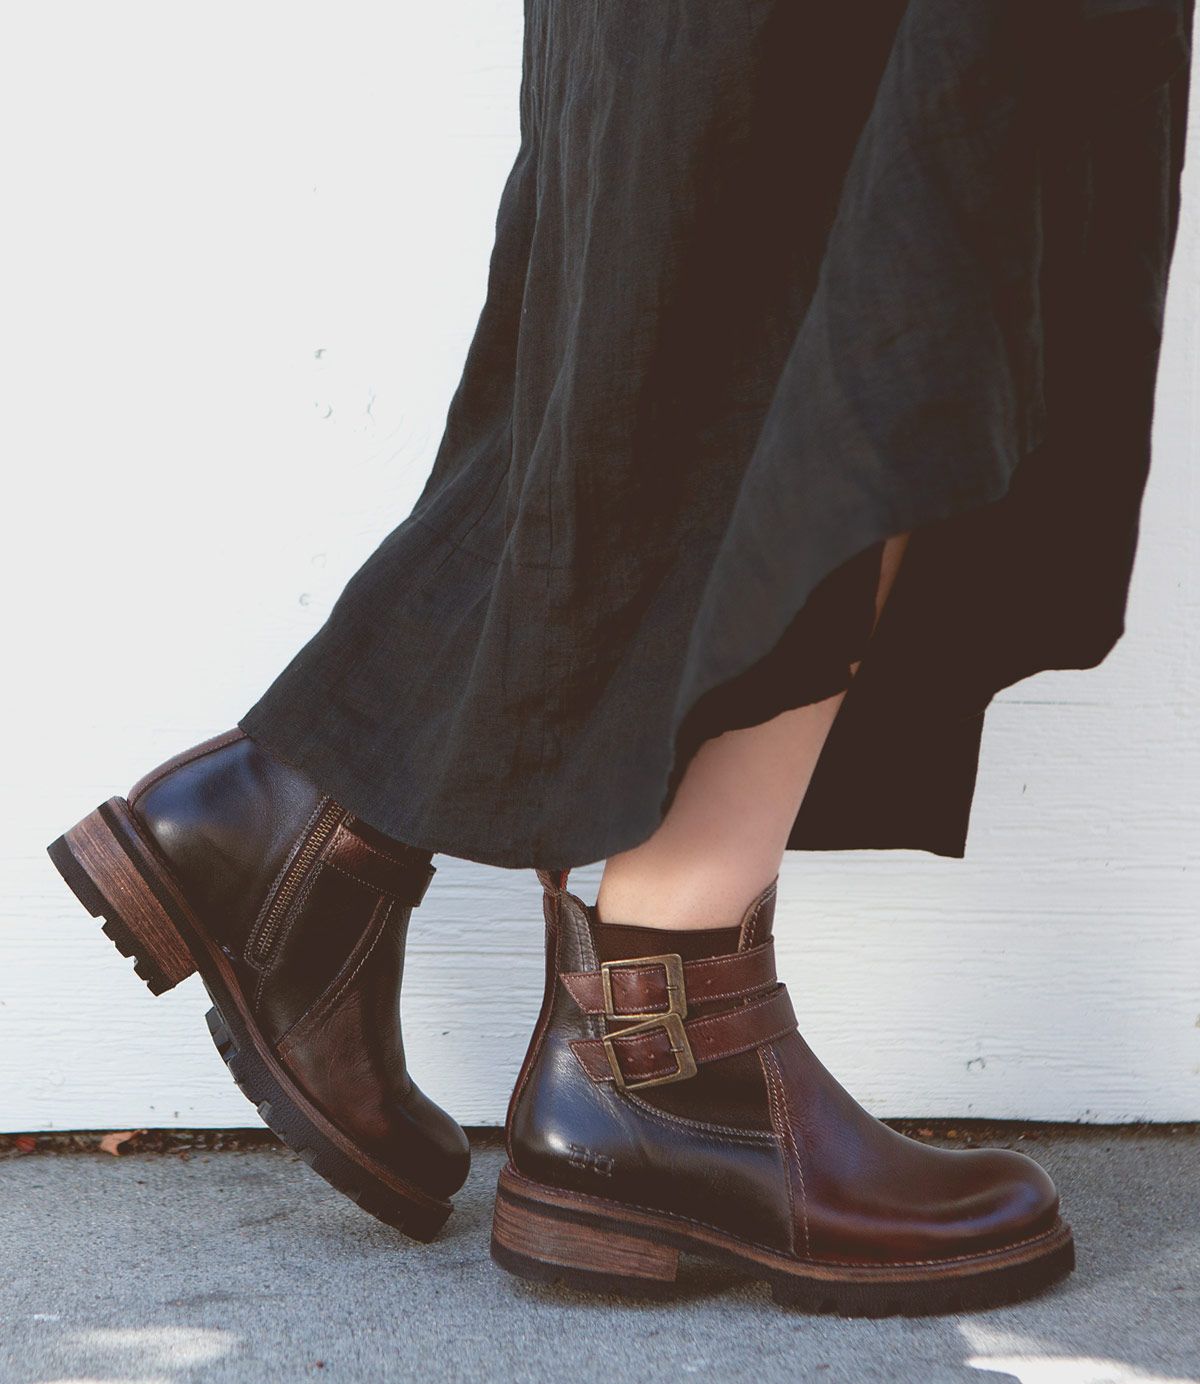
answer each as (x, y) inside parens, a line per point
(667, 1104)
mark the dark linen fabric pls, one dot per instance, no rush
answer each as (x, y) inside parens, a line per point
(772, 281)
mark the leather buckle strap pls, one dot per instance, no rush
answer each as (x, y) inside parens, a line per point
(649, 985)
(680, 1048)
(402, 872)
(673, 979)
(665, 1048)
(671, 1022)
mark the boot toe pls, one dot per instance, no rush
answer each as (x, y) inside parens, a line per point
(1014, 1199)
(444, 1153)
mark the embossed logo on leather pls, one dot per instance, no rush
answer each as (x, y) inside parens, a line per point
(587, 1161)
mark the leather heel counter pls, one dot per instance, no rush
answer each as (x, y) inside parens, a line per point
(177, 761)
(224, 816)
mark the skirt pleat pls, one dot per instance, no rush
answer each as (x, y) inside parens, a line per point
(772, 282)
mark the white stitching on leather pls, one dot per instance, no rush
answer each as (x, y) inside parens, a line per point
(754, 1138)
(777, 1123)
(791, 1139)
(763, 899)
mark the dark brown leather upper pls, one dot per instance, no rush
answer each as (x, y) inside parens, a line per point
(762, 1142)
(311, 907)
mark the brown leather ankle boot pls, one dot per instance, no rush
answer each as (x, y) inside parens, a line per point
(226, 861)
(667, 1103)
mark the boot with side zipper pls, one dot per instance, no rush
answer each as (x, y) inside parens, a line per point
(227, 861)
(668, 1103)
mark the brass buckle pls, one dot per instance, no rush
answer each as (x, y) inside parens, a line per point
(672, 965)
(671, 1020)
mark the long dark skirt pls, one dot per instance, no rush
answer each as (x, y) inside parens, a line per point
(772, 281)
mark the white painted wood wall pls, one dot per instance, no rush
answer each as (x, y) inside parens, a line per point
(246, 251)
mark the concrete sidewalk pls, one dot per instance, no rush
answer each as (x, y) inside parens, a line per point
(243, 1266)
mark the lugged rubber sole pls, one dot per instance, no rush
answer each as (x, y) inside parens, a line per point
(584, 1242)
(116, 874)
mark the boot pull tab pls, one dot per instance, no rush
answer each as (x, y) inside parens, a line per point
(554, 882)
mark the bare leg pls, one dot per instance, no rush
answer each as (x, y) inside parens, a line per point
(725, 834)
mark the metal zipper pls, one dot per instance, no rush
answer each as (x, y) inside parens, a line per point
(266, 932)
